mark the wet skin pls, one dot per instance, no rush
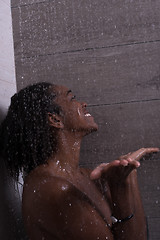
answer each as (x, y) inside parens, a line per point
(63, 201)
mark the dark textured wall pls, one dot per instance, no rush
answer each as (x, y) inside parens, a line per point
(107, 52)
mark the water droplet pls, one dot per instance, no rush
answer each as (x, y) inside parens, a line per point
(57, 162)
(64, 188)
(76, 143)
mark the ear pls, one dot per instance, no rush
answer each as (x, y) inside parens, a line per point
(55, 120)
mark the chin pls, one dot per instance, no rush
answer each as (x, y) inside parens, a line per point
(91, 129)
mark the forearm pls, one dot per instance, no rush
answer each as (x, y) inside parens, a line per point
(126, 200)
(125, 196)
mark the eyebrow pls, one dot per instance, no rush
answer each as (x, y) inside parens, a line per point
(69, 91)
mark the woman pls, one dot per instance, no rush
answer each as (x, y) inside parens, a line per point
(41, 136)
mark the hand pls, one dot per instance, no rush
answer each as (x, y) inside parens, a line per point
(118, 170)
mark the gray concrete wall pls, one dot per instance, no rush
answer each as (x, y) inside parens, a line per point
(107, 52)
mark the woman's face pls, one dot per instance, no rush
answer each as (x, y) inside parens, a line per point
(74, 114)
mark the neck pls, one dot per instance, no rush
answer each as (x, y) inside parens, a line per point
(67, 156)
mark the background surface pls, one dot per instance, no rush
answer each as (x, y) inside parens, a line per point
(108, 53)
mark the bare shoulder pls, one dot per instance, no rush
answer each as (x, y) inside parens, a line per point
(48, 194)
(47, 186)
(40, 180)
(62, 209)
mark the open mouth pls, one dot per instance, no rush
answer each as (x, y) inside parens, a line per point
(87, 115)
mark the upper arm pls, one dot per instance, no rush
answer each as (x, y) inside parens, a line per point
(71, 216)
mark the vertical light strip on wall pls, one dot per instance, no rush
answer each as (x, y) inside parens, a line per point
(7, 65)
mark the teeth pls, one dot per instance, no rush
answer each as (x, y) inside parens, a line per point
(88, 115)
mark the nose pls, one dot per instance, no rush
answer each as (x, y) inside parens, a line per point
(84, 105)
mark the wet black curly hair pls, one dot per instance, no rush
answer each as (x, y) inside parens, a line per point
(26, 137)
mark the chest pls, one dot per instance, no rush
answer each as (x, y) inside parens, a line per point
(94, 195)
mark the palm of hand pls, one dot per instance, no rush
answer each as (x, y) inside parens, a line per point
(118, 170)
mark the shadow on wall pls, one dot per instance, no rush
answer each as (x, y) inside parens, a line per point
(11, 226)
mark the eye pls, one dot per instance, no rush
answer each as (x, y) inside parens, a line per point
(73, 97)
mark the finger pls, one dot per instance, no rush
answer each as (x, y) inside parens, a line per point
(125, 156)
(152, 150)
(98, 171)
(130, 167)
(129, 159)
(137, 155)
(135, 164)
(124, 162)
(129, 162)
